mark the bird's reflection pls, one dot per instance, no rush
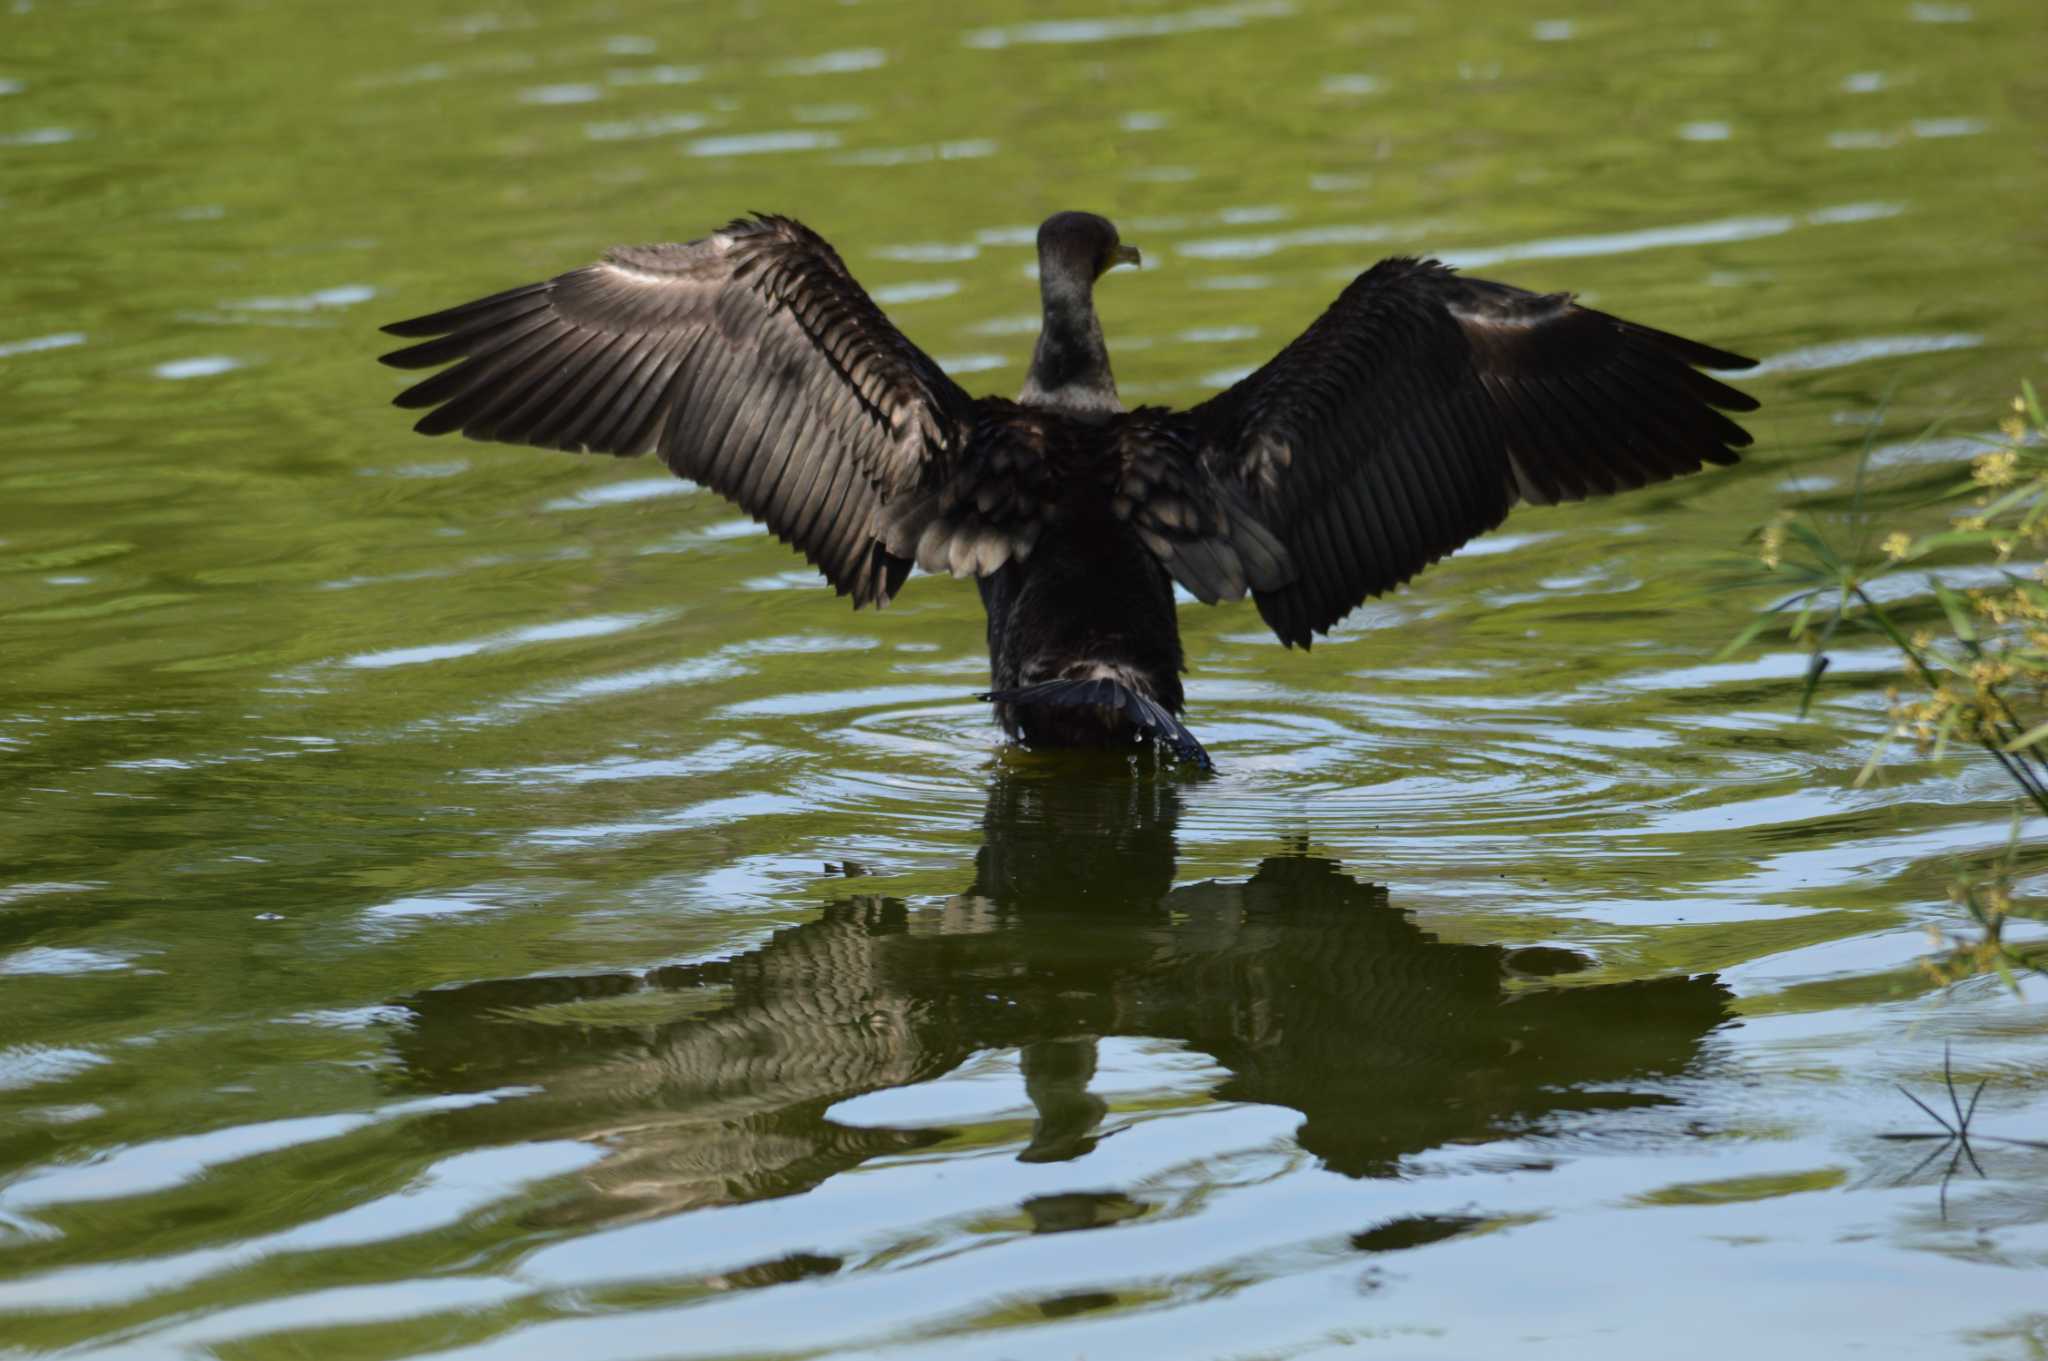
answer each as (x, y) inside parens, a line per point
(1303, 982)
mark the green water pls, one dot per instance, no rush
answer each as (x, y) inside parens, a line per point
(467, 901)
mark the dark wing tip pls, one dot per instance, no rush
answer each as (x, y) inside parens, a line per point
(423, 356)
(1691, 351)
(1707, 357)
(524, 297)
(1719, 395)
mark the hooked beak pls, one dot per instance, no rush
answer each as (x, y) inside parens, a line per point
(1125, 255)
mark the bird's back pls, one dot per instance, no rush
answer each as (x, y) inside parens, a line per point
(1090, 602)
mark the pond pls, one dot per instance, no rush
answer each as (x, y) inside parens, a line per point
(467, 901)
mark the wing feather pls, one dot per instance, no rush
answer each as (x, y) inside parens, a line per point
(608, 362)
(750, 360)
(1415, 411)
(1203, 532)
(637, 430)
(483, 312)
(491, 355)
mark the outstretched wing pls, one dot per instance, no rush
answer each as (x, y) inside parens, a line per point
(750, 360)
(1415, 411)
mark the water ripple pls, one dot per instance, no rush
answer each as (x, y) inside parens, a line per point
(38, 137)
(930, 252)
(1257, 247)
(562, 94)
(1353, 84)
(1109, 30)
(446, 1193)
(55, 960)
(760, 143)
(655, 75)
(60, 341)
(144, 1169)
(1842, 353)
(341, 295)
(654, 125)
(972, 363)
(1718, 232)
(622, 493)
(970, 149)
(557, 631)
(29, 1065)
(200, 366)
(836, 63)
(924, 290)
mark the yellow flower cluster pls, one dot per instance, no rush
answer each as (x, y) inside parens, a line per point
(1962, 958)
(1977, 674)
(1772, 547)
(1999, 468)
(1984, 677)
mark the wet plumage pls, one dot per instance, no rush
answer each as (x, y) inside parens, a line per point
(1404, 421)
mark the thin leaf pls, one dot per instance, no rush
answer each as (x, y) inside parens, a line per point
(1958, 613)
(2006, 502)
(1951, 538)
(1743, 639)
(1810, 538)
(1814, 670)
(1869, 770)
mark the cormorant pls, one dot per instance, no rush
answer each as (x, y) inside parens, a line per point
(1404, 421)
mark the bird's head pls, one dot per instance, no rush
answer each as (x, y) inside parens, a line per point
(1081, 247)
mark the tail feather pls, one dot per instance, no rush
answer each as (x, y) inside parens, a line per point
(1146, 714)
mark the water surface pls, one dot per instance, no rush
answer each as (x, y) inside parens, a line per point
(474, 902)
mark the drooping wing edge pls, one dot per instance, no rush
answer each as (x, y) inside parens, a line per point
(1414, 412)
(750, 360)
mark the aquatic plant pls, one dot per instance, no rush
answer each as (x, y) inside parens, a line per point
(1974, 669)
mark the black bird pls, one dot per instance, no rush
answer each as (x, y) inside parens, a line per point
(1406, 420)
